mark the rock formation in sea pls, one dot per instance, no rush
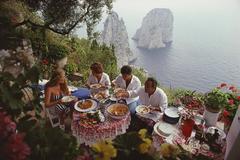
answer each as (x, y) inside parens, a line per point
(115, 33)
(156, 30)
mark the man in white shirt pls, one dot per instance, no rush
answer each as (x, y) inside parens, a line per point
(152, 95)
(131, 84)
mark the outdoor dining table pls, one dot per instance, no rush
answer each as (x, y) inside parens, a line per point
(93, 133)
(190, 145)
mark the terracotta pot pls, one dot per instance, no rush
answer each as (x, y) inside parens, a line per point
(211, 116)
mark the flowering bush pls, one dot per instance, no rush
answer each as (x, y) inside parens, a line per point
(190, 100)
(233, 101)
(12, 146)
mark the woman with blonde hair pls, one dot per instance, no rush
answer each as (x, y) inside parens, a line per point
(55, 89)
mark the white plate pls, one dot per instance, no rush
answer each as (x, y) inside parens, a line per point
(161, 127)
(116, 90)
(68, 99)
(142, 109)
(171, 112)
(113, 98)
(94, 105)
(72, 88)
(221, 132)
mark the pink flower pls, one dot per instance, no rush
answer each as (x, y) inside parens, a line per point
(231, 101)
(16, 149)
(231, 88)
(223, 85)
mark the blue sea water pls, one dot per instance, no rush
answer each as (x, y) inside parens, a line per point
(206, 42)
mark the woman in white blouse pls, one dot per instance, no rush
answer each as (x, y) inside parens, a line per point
(97, 76)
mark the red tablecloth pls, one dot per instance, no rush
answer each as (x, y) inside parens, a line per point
(92, 133)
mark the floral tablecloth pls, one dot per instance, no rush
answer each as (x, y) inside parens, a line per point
(92, 133)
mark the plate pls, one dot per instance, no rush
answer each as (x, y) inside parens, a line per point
(221, 132)
(85, 105)
(100, 96)
(113, 98)
(163, 129)
(117, 110)
(68, 99)
(116, 90)
(142, 109)
(171, 112)
(95, 86)
(72, 88)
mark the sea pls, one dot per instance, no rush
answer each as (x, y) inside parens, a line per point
(206, 42)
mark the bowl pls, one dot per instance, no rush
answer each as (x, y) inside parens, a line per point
(117, 111)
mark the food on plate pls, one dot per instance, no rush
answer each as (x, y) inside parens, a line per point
(118, 109)
(143, 109)
(118, 90)
(68, 98)
(100, 96)
(92, 118)
(86, 104)
(95, 86)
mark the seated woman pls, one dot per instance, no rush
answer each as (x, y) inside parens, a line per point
(55, 89)
(97, 76)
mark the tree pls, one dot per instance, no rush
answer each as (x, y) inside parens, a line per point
(63, 16)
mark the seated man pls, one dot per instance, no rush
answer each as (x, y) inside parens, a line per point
(131, 84)
(152, 95)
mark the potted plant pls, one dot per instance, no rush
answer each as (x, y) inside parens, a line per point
(230, 109)
(214, 102)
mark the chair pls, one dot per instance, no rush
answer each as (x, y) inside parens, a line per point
(52, 115)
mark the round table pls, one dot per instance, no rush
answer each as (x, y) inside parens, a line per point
(92, 133)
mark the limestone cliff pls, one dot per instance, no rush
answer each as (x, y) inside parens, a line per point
(156, 30)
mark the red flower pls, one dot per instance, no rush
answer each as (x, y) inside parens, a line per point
(16, 149)
(225, 113)
(45, 61)
(231, 101)
(223, 85)
(238, 98)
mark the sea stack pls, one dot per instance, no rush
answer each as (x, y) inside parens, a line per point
(156, 30)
